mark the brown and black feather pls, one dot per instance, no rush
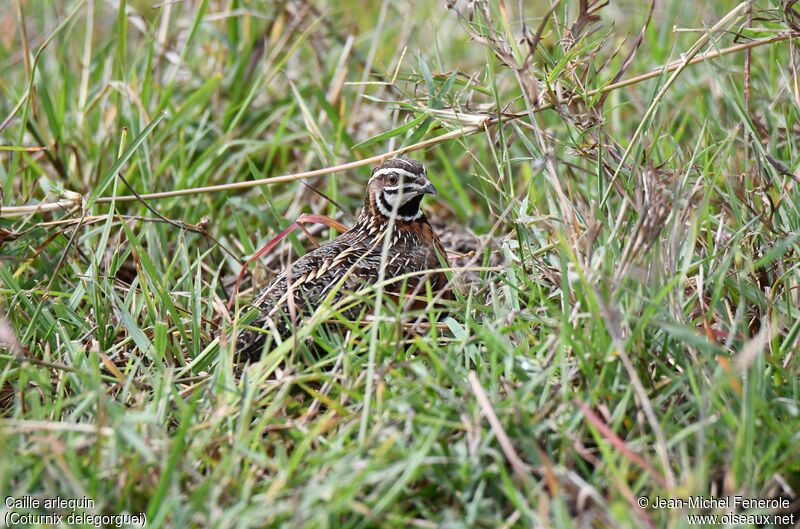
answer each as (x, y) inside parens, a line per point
(354, 259)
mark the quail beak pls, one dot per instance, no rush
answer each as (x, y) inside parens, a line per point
(428, 189)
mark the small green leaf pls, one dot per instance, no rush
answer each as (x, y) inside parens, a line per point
(392, 133)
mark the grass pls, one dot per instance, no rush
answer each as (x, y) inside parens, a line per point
(626, 325)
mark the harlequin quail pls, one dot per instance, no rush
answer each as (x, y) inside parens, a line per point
(392, 201)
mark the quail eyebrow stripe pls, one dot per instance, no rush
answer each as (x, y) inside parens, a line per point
(388, 170)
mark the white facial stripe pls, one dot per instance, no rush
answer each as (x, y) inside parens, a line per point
(389, 170)
(381, 207)
(391, 194)
(408, 189)
(415, 216)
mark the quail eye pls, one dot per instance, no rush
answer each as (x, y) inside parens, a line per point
(392, 180)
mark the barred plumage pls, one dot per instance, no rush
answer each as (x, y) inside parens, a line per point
(395, 190)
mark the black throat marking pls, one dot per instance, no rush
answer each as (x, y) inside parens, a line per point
(408, 212)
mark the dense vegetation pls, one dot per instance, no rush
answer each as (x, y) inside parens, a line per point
(618, 191)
